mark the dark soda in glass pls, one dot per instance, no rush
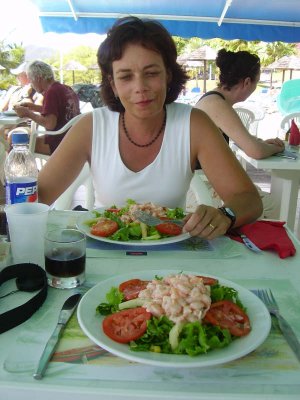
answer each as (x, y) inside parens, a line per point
(65, 262)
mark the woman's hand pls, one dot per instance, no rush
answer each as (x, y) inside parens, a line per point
(276, 142)
(206, 222)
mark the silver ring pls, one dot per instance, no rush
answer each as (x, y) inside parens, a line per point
(212, 227)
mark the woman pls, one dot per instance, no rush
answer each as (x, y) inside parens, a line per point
(239, 75)
(143, 145)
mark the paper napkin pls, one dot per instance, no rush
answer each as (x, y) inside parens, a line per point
(294, 137)
(269, 235)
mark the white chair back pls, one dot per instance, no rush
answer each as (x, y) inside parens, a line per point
(3, 155)
(37, 131)
(64, 202)
(200, 192)
(286, 121)
(246, 116)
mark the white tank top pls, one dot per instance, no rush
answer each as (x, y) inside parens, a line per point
(164, 182)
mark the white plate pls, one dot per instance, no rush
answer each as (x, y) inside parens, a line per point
(91, 324)
(86, 229)
(10, 113)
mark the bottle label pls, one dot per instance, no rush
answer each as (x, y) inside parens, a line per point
(21, 192)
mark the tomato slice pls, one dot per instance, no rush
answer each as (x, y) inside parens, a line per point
(126, 325)
(104, 228)
(227, 314)
(207, 280)
(114, 210)
(169, 228)
(132, 288)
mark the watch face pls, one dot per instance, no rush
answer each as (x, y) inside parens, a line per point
(230, 212)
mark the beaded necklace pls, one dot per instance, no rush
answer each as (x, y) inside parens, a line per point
(152, 141)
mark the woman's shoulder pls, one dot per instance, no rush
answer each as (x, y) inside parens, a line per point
(212, 93)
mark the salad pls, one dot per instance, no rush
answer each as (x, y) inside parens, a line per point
(176, 314)
(120, 224)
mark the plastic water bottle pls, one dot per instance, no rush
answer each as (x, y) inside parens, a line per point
(20, 171)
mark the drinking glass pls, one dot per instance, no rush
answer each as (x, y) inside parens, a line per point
(27, 224)
(65, 254)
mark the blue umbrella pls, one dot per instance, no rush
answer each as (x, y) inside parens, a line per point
(275, 20)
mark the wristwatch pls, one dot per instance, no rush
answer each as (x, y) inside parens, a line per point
(230, 214)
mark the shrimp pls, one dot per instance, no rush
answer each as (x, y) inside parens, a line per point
(180, 297)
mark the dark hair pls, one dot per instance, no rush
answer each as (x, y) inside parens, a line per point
(236, 66)
(151, 35)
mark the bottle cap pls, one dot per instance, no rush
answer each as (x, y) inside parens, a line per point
(20, 138)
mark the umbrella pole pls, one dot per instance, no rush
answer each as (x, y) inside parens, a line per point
(61, 59)
(204, 78)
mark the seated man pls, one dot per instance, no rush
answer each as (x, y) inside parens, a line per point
(60, 105)
(18, 94)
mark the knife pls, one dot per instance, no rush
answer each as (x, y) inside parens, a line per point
(246, 241)
(65, 314)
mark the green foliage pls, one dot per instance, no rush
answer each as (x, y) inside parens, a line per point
(274, 51)
(180, 44)
(11, 55)
(86, 56)
(268, 52)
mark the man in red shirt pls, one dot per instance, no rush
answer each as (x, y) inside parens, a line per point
(60, 105)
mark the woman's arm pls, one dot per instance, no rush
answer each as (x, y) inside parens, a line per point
(226, 176)
(66, 162)
(226, 118)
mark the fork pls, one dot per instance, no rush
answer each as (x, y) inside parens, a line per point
(151, 220)
(268, 299)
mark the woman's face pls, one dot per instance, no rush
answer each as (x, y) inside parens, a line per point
(247, 87)
(140, 81)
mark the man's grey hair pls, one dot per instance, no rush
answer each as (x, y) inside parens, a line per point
(39, 70)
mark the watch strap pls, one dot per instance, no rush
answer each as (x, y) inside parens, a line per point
(230, 215)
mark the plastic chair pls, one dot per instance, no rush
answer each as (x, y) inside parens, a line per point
(199, 192)
(64, 202)
(37, 131)
(288, 100)
(285, 123)
(3, 155)
(246, 116)
(200, 189)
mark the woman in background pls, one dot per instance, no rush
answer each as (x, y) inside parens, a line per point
(239, 75)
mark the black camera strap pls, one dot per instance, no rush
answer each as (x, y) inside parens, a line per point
(29, 278)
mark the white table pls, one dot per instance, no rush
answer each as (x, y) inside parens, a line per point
(271, 372)
(11, 120)
(285, 178)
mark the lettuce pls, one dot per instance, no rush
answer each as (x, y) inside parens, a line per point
(194, 338)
